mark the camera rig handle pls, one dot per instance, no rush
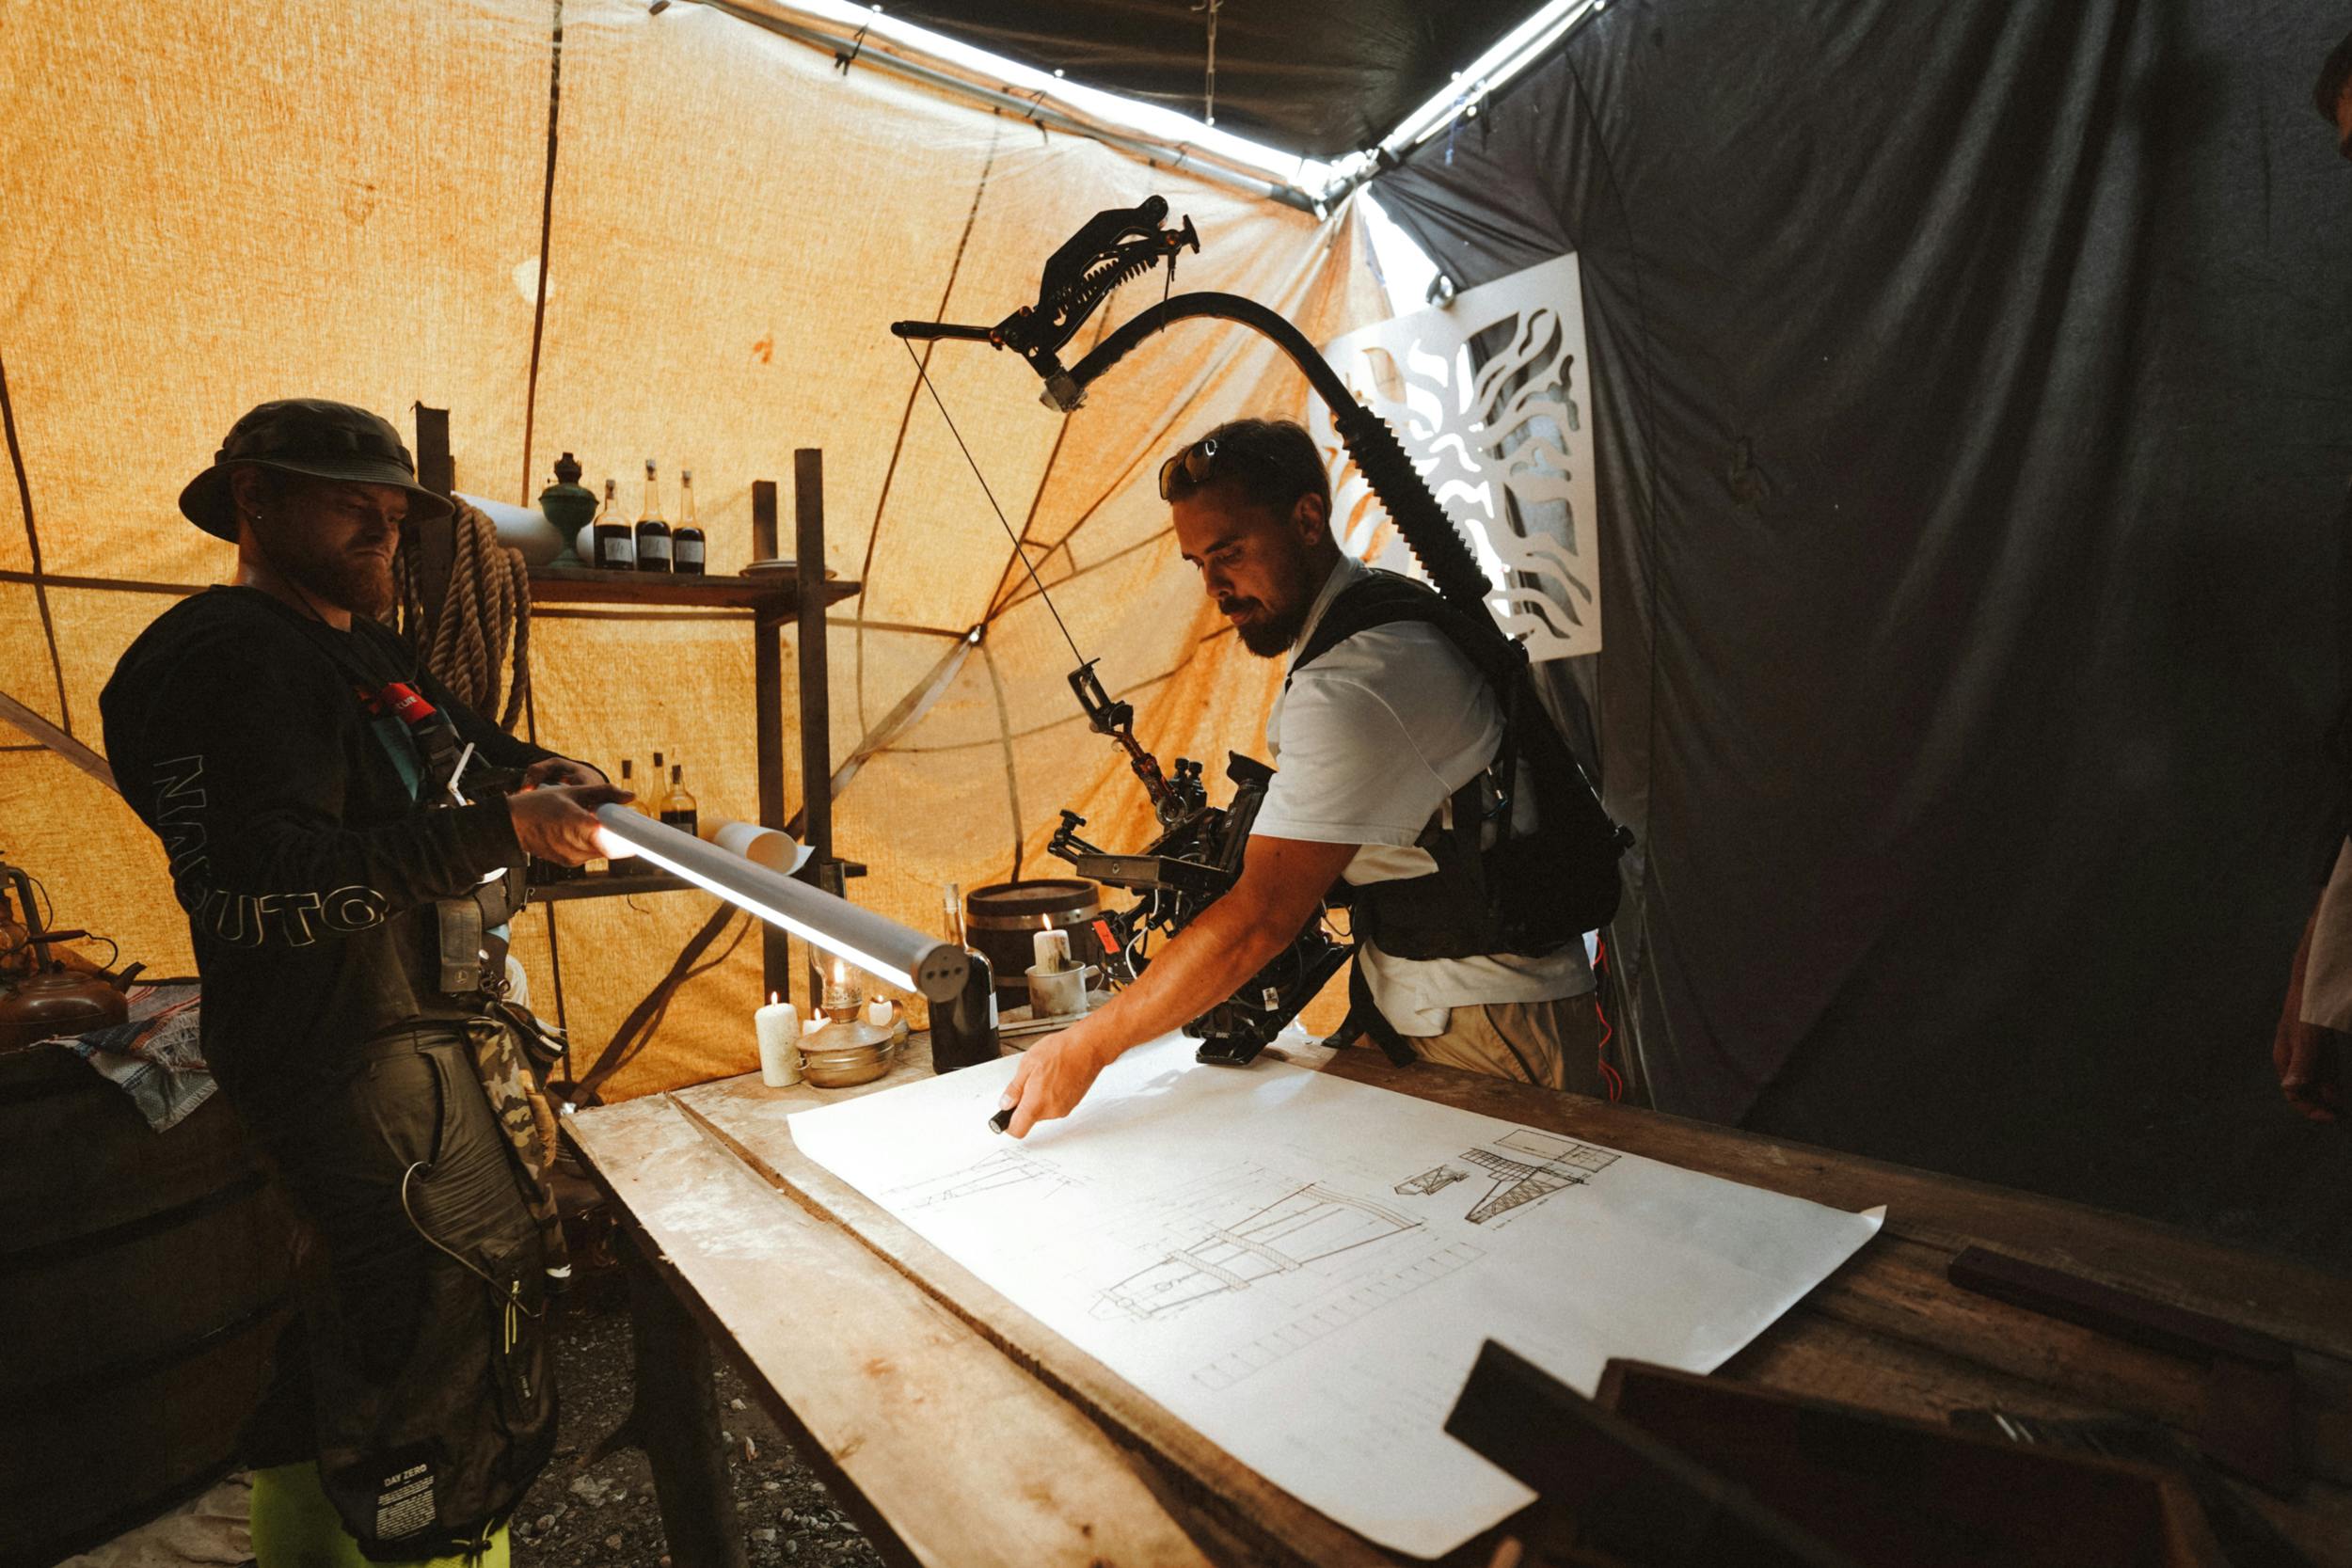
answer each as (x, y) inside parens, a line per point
(1109, 248)
(1108, 716)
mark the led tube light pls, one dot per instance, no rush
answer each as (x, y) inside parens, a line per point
(874, 942)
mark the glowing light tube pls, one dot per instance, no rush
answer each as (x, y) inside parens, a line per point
(874, 942)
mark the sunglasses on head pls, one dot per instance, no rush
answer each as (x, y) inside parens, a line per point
(1196, 461)
(1205, 460)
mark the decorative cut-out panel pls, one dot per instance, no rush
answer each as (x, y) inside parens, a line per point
(1490, 395)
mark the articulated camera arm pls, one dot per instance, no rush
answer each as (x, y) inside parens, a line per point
(1114, 247)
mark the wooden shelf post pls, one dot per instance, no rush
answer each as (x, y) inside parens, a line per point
(808, 519)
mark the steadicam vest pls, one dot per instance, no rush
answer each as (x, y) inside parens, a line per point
(1491, 893)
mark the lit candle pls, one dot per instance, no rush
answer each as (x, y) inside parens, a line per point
(778, 1026)
(877, 1012)
(1051, 950)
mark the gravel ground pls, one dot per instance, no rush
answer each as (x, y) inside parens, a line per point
(603, 1514)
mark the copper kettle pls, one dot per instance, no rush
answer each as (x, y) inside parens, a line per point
(58, 1001)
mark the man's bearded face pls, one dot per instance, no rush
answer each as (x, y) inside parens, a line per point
(1255, 562)
(335, 539)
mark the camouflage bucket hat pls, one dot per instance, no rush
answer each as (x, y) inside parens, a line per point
(313, 437)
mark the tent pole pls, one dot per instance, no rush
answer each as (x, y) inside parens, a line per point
(1191, 160)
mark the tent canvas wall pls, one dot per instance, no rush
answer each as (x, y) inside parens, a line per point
(301, 198)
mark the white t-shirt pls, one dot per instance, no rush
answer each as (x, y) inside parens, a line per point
(1372, 739)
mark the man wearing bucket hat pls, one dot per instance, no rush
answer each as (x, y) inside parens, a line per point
(347, 903)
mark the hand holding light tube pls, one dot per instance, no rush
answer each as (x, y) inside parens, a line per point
(874, 942)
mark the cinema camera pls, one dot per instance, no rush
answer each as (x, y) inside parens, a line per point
(1196, 858)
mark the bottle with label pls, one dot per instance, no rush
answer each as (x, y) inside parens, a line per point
(615, 544)
(964, 1027)
(685, 539)
(677, 805)
(653, 532)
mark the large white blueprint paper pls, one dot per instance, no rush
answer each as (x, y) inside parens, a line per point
(1303, 1268)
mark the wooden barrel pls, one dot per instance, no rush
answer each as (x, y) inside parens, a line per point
(1001, 918)
(143, 1278)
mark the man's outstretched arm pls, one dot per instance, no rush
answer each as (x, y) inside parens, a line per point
(1282, 886)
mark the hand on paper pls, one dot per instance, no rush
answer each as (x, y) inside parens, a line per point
(1053, 1075)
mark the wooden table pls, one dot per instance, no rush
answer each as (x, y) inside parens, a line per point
(963, 1431)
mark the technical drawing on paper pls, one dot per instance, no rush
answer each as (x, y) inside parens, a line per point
(1430, 1180)
(1550, 1164)
(1313, 1223)
(1370, 1296)
(1009, 1169)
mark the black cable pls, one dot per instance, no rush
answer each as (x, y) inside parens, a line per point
(1020, 554)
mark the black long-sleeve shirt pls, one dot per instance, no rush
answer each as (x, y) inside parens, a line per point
(236, 731)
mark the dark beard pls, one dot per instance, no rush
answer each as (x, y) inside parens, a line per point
(359, 585)
(1272, 637)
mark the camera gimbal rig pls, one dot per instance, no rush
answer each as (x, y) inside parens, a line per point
(1198, 855)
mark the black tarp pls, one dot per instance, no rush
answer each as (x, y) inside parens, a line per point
(1972, 387)
(1316, 77)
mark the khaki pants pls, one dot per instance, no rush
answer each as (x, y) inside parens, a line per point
(1555, 1044)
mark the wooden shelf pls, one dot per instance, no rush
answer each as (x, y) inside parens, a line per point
(769, 593)
(608, 885)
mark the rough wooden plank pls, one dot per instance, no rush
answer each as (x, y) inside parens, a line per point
(1273, 1525)
(2303, 1307)
(950, 1454)
(1823, 1359)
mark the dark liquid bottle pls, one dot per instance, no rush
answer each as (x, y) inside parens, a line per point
(653, 533)
(964, 1027)
(677, 805)
(613, 541)
(686, 540)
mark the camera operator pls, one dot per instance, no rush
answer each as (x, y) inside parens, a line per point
(348, 911)
(1377, 737)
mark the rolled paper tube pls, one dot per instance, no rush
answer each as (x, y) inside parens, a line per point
(767, 847)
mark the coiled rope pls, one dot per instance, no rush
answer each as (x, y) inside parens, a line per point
(487, 605)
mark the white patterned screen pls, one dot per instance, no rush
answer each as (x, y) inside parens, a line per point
(1489, 394)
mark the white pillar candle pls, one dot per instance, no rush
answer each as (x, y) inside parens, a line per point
(1050, 950)
(877, 1012)
(778, 1026)
(815, 1023)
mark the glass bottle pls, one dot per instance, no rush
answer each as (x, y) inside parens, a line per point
(685, 539)
(653, 533)
(615, 544)
(677, 805)
(964, 1027)
(628, 782)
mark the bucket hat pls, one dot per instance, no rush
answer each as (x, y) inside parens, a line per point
(313, 437)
